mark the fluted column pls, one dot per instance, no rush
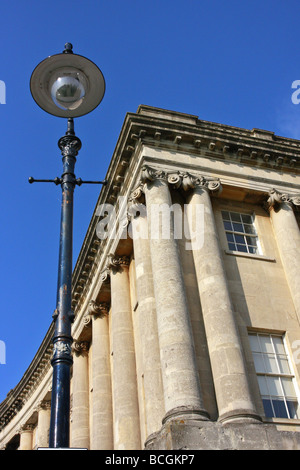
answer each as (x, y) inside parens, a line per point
(43, 426)
(125, 397)
(230, 376)
(102, 427)
(26, 436)
(80, 434)
(182, 394)
(146, 320)
(288, 240)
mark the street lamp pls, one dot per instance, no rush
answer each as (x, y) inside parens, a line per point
(65, 85)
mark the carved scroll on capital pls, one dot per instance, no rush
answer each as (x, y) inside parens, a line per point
(152, 174)
(100, 309)
(177, 179)
(116, 262)
(276, 198)
(188, 182)
(26, 428)
(81, 347)
(104, 276)
(43, 405)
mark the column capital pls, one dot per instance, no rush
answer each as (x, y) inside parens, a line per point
(153, 174)
(176, 179)
(190, 182)
(26, 428)
(117, 262)
(98, 309)
(80, 348)
(43, 405)
(276, 199)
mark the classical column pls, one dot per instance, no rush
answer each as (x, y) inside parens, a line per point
(228, 366)
(43, 426)
(146, 319)
(288, 239)
(182, 394)
(102, 422)
(80, 433)
(26, 433)
(125, 397)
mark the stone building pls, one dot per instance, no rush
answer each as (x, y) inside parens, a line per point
(186, 297)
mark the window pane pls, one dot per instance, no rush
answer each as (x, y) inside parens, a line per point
(259, 363)
(227, 225)
(225, 215)
(230, 237)
(268, 408)
(254, 344)
(249, 229)
(270, 364)
(235, 217)
(263, 385)
(279, 409)
(293, 409)
(252, 249)
(266, 344)
(241, 248)
(274, 386)
(231, 246)
(237, 227)
(247, 219)
(251, 241)
(283, 365)
(288, 387)
(278, 345)
(239, 239)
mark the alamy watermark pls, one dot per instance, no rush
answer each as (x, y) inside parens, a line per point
(296, 94)
(164, 222)
(2, 352)
(2, 92)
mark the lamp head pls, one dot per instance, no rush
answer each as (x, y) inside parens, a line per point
(67, 85)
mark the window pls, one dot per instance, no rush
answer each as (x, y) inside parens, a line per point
(240, 232)
(275, 380)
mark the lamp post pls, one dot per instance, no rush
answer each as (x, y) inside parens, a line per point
(65, 85)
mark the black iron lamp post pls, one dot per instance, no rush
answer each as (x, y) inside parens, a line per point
(65, 85)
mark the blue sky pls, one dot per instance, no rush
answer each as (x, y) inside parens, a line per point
(231, 62)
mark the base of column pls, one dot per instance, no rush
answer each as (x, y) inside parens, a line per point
(212, 435)
(185, 413)
(151, 439)
(239, 416)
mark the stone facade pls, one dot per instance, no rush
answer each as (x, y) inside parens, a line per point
(169, 301)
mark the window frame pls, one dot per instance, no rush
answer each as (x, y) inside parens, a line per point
(271, 400)
(236, 243)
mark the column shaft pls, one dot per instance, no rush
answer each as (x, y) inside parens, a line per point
(102, 434)
(226, 355)
(43, 424)
(182, 394)
(26, 436)
(147, 327)
(125, 397)
(80, 433)
(288, 241)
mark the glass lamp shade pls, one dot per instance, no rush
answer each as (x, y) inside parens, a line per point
(67, 85)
